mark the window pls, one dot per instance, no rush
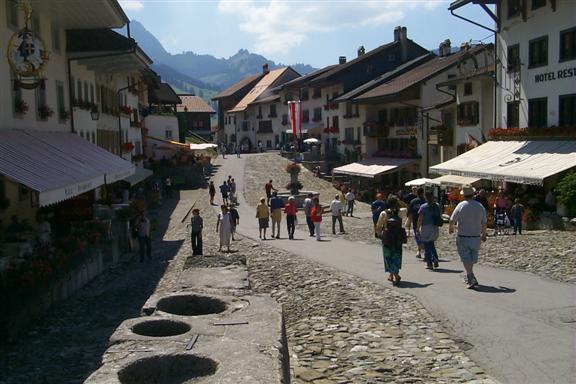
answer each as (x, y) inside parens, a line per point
(284, 119)
(514, 58)
(79, 90)
(36, 26)
(86, 99)
(20, 107)
(94, 138)
(513, 114)
(568, 44)
(12, 13)
(317, 114)
(168, 134)
(265, 126)
(567, 108)
(538, 52)
(383, 116)
(41, 104)
(272, 110)
(538, 4)
(92, 93)
(55, 29)
(304, 94)
(514, 8)
(467, 89)
(538, 112)
(317, 93)
(349, 135)
(358, 134)
(348, 110)
(305, 116)
(335, 122)
(468, 113)
(60, 107)
(259, 112)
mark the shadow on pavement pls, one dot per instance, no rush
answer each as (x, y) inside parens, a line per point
(411, 284)
(489, 289)
(445, 270)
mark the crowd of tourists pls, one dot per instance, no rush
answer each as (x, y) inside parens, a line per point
(417, 213)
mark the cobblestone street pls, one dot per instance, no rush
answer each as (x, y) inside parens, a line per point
(340, 328)
(546, 253)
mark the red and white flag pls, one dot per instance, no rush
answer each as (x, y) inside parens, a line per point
(295, 108)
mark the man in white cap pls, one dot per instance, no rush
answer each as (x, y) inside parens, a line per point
(470, 217)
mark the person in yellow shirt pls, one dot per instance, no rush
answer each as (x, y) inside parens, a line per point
(263, 216)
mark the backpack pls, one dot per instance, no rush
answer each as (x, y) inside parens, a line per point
(437, 215)
(394, 235)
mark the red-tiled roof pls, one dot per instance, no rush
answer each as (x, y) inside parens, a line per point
(191, 103)
(416, 75)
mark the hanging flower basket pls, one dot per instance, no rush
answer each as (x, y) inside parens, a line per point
(126, 110)
(64, 115)
(127, 147)
(45, 112)
(293, 168)
(21, 107)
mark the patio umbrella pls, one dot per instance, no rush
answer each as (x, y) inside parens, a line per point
(312, 140)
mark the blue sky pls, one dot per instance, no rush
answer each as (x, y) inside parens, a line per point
(301, 31)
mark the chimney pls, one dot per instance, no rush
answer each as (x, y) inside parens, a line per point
(401, 36)
(361, 50)
(464, 46)
(447, 47)
(265, 69)
(342, 60)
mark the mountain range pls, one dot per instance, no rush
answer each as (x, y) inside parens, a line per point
(203, 75)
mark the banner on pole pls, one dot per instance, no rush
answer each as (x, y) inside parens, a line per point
(295, 108)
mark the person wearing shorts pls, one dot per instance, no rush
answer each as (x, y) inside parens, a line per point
(262, 214)
(470, 218)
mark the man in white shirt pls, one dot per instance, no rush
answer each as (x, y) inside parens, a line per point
(308, 204)
(470, 216)
(350, 197)
(336, 208)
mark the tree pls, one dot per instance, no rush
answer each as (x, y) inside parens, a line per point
(566, 192)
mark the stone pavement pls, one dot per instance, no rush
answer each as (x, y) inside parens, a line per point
(546, 253)
(519, 327)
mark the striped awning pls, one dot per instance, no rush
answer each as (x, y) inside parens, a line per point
(58, 165)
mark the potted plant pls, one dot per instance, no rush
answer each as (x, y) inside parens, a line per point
(21, 107)
(45, 112)
(64, 115)
(127, 147)
(126, 110)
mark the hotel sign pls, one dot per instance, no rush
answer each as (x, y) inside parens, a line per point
(555, 75)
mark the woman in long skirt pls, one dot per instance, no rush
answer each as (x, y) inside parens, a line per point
(224, 227)
(391, 248)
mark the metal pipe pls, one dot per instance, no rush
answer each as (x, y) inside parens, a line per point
(472, 22)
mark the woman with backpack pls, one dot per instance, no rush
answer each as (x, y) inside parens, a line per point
(429, 220)
(393, 235)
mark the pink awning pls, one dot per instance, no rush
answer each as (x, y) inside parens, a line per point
(58, 165)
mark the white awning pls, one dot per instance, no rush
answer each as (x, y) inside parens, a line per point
(373, 166)
(203, 146)
(454, 180)
(140, 175)
(56, 171)
(524, 162)
(418, 182)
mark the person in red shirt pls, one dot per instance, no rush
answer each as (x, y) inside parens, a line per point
(290, 210)
(269, 188)
(316, 216)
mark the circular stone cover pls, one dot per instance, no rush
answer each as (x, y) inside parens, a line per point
(190, 305)
(160, 328)
(167, 369)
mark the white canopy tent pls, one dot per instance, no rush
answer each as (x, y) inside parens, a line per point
(454, 180)
(373, 166)
(523, 162)
(203, 146)
(418, 182)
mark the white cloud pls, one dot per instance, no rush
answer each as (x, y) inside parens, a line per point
(280, 25)
(131, 5)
